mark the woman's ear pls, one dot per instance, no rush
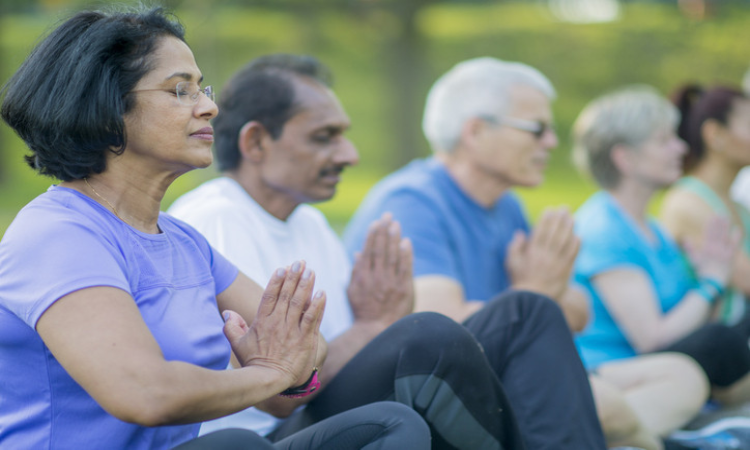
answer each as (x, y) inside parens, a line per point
(250, 141)
(622, 158)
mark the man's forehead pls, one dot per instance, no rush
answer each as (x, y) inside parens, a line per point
(317, 106)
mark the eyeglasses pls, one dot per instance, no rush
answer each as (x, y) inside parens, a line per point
(187, 92)
(537, 128)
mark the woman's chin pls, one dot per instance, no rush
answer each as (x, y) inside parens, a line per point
(202, 160)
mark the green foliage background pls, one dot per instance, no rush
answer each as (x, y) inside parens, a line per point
(651, 43)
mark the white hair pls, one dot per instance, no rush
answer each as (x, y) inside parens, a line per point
(474, 88)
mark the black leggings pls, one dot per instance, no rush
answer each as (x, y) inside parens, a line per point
(531, 349)
(722, 351)
(436, 367)
(384, 425)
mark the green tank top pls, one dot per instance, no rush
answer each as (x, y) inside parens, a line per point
(733, 302)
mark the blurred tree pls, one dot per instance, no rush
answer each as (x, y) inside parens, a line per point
(403, 56)
(406, 73)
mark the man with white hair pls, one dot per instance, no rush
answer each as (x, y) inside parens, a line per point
(490, 126)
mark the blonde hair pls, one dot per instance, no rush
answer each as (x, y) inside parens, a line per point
(628, 116)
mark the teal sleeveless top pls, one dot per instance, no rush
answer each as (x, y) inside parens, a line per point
(733, 302)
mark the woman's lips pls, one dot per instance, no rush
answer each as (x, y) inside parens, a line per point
(206, 134)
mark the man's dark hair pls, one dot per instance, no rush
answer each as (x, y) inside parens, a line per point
(68, 99)
(262, 91)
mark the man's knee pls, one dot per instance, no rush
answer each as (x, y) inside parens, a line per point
(428, 337)
(523, 305)
(429, 330)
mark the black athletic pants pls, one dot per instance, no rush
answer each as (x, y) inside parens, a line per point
(722, 351)
(435, 366)
(530, 348)
(378, 426)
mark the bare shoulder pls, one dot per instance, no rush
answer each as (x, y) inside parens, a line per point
(684, 214)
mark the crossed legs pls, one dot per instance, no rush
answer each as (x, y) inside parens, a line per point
(642, 399)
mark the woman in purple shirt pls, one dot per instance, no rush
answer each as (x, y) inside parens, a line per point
(116, 320)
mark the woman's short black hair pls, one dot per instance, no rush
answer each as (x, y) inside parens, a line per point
(68, 99)
(262, 91)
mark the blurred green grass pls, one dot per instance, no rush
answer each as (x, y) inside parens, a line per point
(651, 43)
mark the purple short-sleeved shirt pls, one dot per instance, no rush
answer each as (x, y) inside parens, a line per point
(62, 242)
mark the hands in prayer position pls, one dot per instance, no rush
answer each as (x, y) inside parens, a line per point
(381, 287)
(543, 262)
(713, 254)
(284, 335)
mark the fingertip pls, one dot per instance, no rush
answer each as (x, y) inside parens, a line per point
(517, 241)
(394, 229)
(319, 300)
(374, 228)
(232, 319)
(322, 298)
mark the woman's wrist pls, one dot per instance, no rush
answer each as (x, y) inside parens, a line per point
(710, 289)
(311, 385)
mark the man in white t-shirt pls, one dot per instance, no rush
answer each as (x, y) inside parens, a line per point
(279, 142)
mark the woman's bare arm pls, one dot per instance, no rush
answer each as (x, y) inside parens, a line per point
(99, 337)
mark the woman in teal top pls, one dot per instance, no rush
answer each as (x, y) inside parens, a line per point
(645, 297)
(612, 239)
(716, 126)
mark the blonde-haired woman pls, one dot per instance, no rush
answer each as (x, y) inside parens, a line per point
(644, 297)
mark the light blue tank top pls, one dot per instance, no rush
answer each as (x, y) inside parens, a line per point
(733, 303)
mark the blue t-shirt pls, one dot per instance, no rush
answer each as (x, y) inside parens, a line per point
(611, 240)
(61, 242)
(452, 234)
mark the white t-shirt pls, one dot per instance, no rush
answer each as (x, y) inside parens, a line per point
(741, 187)
(258, 244)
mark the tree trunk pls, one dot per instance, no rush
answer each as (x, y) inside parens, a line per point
(405, 66)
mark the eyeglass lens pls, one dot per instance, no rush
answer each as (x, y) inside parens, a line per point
(188, 92)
